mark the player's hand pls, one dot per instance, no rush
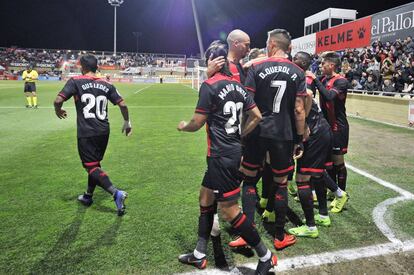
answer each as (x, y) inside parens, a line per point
(215, 65)
(310, 74)
(181, 125)
(61, 113)
(127, 128)
(298, 150)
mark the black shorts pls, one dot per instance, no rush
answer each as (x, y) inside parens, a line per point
(92, 150)
(317, 155)
(280, 153)
(222, 176)
(29, 87)
(340, 141)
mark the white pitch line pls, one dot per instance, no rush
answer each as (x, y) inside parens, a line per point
(345, 255)
(140, 90)
(381, 122)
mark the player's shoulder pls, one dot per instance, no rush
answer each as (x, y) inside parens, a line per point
(217, 78)
(340, 80)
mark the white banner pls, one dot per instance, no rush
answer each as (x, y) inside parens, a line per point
(304, 44)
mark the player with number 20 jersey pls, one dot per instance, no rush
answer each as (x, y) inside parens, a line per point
(91, 95)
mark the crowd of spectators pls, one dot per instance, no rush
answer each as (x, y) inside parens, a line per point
(55, 58)
(386, 67)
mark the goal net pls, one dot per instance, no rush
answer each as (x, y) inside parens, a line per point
(199, 75)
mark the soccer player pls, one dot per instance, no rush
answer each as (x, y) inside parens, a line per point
(238, 47)
(333, 90)
(279, 90)
(220, 104)
(91, 95)
(30, 76)
(316, 158)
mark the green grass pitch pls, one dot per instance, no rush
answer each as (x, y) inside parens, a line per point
(44, 230)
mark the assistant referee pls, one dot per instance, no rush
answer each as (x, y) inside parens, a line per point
(30, 76)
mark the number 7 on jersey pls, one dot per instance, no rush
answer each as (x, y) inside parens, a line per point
(280, 86)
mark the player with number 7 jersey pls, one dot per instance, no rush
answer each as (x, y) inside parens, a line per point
(279, 87)
(91, 95)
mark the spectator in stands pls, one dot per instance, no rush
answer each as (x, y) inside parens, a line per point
(355, 85)
(409, 45)
(388, 88)
(370, 85)
(409, 85)
(387, 68)
(399, 81)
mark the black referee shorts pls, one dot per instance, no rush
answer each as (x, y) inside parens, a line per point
(92, 150)
(222, 176)
(29, 87)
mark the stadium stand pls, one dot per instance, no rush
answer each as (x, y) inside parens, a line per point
(383, 68)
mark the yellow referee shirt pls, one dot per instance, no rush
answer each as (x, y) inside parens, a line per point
(30, 77)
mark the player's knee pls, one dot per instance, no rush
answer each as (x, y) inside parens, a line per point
(90, 167)
(229, 209)
(302, 178)
(251, 173)
(280, 180)
(338, 159)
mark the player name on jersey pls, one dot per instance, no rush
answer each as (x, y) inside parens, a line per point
(99, 86)
(231, 87)
(277, 69)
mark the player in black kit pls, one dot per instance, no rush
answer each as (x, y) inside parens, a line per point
(316, 158)
(333, 90)
(221, 101)
(91, 95)
(279, 90)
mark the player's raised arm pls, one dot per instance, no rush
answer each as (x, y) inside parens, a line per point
(215, 65)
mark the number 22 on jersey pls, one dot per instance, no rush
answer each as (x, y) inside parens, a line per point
(235, 110)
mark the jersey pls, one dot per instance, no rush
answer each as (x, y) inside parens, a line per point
(223, 100)
(91, 95)
(315, 119)
(276, 82)
(30, 77)
(334, 110)
(237, 71)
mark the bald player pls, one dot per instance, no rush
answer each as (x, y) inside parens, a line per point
(238, 43)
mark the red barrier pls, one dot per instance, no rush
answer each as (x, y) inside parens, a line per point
(356, 34)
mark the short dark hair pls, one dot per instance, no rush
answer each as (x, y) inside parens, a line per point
(89, 63)
(255, 52)
(304, 58)
(282, 38)
(215, 49)
(332, 57)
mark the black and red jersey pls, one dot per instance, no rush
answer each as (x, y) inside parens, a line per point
(315, 119)
(91, 95)
(276, 82)
(334, 110)
(237, 71)
(223, 99)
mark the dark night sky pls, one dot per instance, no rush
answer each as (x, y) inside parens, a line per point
(167, 25)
